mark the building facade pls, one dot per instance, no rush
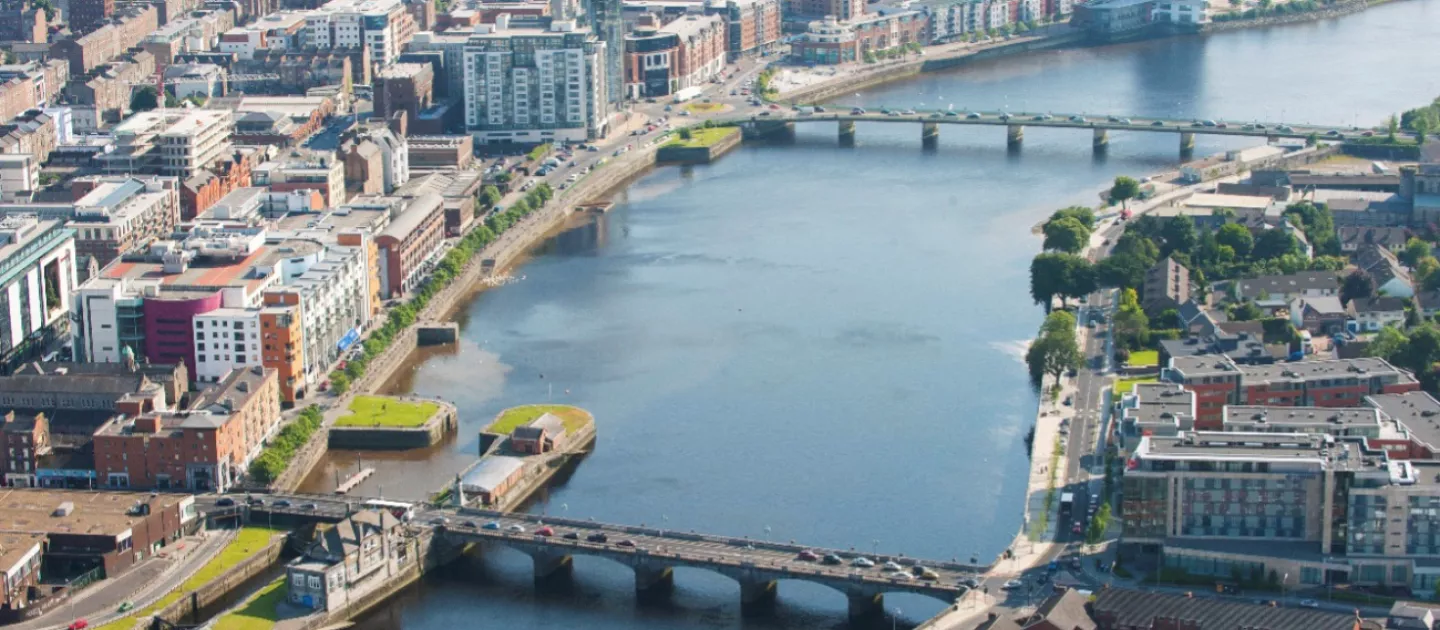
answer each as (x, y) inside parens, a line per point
(535, 84)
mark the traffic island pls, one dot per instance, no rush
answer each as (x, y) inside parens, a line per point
(389, 423)
(701, 146)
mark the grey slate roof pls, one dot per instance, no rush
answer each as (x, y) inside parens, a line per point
(1137, 609)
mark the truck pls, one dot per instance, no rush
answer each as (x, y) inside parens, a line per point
(687, 94)
(1067, 501)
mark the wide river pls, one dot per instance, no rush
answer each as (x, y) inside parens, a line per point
(821, 344)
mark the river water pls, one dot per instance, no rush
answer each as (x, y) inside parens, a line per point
(820, 344)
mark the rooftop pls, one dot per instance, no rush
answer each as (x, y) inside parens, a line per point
(1138, 609)
(1291, 283)
(1417, 411)
(91, 513)
(169, 122)
(491, 472)
(1297, 419)
(1213, 200)
(1160, 403)
(1322, 451)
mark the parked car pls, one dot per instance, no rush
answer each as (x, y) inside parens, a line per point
(597, 537)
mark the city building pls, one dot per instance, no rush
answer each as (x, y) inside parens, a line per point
(1391, 277)
(607, 18)
(1422, 185)
(1218, 381)
(106, 43)
(409, 244)
(435, 153)
(300, 169)
(32, 133)
(205, 448)
(1167, 285)
(283, 121)
(1323, 315)
(1160, 409)
(87, 15)
(1372, 314)
(1133, 609)
(404, 87)
(752, 26)
(103, 100)
(37, 276)
(541, 435)
(537, 83)
(287, 71)
(491, 480)
(383, 27)
(1183, 13)
(174, 142)
(25, 438)
(1282, 289)
(1107, 20)
(830, 41)
(111, 215)
(82, 531)
(348, 560)
(841, 10)
(687, 52)
(199, 80)
(1391, 238)
(390, 150)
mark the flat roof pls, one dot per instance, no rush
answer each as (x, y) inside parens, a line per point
(1301, 448)
(102, 513)
(491, 472)
(1302, 416)
(342, 218)
(170, 122)
(1161, 403)
(1417, 411)
(1216, 200)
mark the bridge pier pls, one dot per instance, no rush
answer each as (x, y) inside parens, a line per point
(847, 133)
(757, 597)
(930, 135)
(654, 582)
(1101, 140)
(551, 566)
(866, 607)
(1014, 135)
(1187, 142)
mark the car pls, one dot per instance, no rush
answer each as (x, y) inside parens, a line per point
(774, 106)
(918, 570)
(1368, 134)
(1158, 123)
(1260, 126)
(517, 528)
(1038, 117)
(571, 536)
(597, 537)
(908, 112)
(1094, 497)
(467, 524)
(1004, 116)
(1012, 585)
(1209, 123)
(952, 114)
(765, 113)
(819, 109)
(856, 111)
(256, 502)
(1125, 121)
(937, 115)
(685, 113)
(282, 503)
(892, 113)
(1075, 563)
(439, 521)
(126, 606)
(1332, 132)
(1309, 603)
(1078, 118)
(1197, 124)
(1113, 119)
(1287, 129)
(969, 582)
(806, 555)
(831, 559)
(890, 566)
(545, 531)
(626, 543)
(225, 502)
(309, 506)
(78, 624)
(668, 108)
(1076, 528)
(862, 562)
(973, 115)
(1069, 400)
(929, 576)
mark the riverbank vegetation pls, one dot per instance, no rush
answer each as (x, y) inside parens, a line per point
(260, 612)
(283, 447)
(383, 411)
(700, 137)
(1056, 350)
(574, 418)
(402, 316)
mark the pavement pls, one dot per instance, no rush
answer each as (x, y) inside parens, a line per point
(141, 585)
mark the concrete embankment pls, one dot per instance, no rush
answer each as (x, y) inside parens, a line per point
(700, 154)
(189, 608)
(443, 421)
(1339, 10)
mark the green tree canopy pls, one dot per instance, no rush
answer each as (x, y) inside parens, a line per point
(144, 98)
(1236, 237)
(1415, 249)
(1059, 274)
(1124, 189)
(1358, 285)
(1274, 243)
(1179, 234)
(1066, 234)
(1085, 216)
(1130, 324)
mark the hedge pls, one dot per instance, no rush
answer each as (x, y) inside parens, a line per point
(283, 447)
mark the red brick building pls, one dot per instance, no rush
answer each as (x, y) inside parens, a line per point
(24, 439)
(1218, 381)
(209, 185)
(407, 87)
(409, 241)
(830, 41)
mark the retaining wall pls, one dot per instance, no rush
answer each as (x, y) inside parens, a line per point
(397, 438)
(185, 609)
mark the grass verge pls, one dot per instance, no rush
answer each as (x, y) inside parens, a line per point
(573, 417)
(381, 411)
(259, 612)
(702, 137)
(1144, 358)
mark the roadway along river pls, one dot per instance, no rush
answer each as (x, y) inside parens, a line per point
(810, 343)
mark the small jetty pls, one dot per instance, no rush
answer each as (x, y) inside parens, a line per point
(354, 480)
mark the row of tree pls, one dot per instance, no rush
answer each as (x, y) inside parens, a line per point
(1056, 350)
(1417, 350)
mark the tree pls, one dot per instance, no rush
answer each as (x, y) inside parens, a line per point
(1387, 344)
(1130, 324)
(1274, 244)
(1179, 234)
(1392, 125)
(1124, 189)
(685, 134)
(1236, 237)
(1131, 243)
(1312, 139)
(1122, 271)
(1358, 285)
(1246, 312)
(1055, 351)
(1318, 225)
(1427, 273)
(1085, 216)
(1415, 249)
(145, 98)
(1421, 353)
(1060, 274)
(1058, 323)
(1422, 128)
(489, 196)
(1066, 234)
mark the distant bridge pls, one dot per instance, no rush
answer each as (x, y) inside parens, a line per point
(654, 553)
(773, 120)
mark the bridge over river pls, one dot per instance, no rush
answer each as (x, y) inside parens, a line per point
(776, 120)
(654, 553)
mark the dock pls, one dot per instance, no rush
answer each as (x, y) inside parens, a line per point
(354, 480)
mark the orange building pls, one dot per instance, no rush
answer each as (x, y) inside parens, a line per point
(206, 448)
(283, 343)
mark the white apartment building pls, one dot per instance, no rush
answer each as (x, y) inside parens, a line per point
(1185, 12)
(383, 26)
(334, 286)
(527, 85)
(226, 339)
(37, 275)
(173, 142)
(997, 14)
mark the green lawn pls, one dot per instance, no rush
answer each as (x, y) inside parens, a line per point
(700, 108)
(258, 613)
(370, 411)
(573, 417)
(247, 543)
(1126, 385)
(702, 137)
(1144, 358)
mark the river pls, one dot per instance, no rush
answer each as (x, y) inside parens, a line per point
(820, 344)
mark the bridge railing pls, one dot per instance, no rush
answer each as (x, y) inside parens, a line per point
(731, 541)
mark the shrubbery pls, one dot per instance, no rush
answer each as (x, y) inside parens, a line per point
(282, 448)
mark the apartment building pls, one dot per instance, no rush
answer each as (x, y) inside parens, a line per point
(96, 48)
(686, 52)
(112, 215)
(831, 41)
(174, 142)
(535, 82)
(32, 133)
(283, 342)
(1218, 380)
(383, 27)
(301, 169)
(404, 87)
(409, 244)
(752, 26)
(87, 15)
(205, 448)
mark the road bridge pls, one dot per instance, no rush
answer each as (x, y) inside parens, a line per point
(1100, 127)
(653, 553)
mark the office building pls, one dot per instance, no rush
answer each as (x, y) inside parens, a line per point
(686, 52)
(174, 142)
(37, 276)
(383, 27)
(752, 26)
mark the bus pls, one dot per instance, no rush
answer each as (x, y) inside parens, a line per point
(398, 509)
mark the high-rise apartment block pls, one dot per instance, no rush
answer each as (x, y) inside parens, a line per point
(534, 82)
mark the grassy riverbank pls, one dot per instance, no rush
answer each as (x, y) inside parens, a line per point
(381, 411)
